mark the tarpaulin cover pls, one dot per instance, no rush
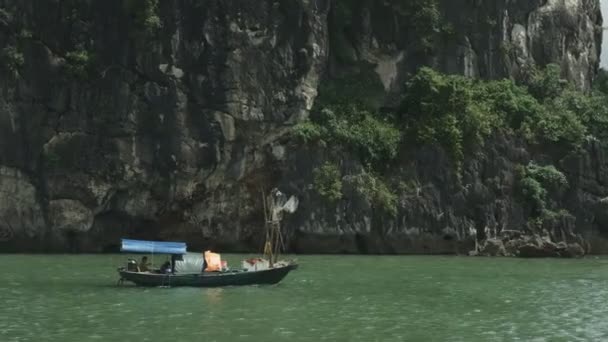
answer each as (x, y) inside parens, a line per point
(191, 263)
(141, 246)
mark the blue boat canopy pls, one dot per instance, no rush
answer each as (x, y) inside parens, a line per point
(141, 246)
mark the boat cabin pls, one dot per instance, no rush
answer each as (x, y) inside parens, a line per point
(176, 250)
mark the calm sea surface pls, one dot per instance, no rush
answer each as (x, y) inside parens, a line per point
(330, 298)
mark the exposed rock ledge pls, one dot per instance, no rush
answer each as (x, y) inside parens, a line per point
(531, 246)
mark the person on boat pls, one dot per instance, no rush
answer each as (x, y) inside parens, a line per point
(132, 265)
(166, 267)
(144, 266)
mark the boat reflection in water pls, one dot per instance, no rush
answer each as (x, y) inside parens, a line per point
(214, 295)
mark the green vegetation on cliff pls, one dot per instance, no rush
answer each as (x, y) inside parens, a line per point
(78, 64)
(328, 182)
(12, 59)
(357, 130)
(536, 182)
(346, 117)
(145, 14)
(373, 188)
(457, 114)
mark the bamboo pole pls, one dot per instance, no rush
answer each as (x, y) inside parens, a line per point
(281, 241)
(267, 233)
(277, 227)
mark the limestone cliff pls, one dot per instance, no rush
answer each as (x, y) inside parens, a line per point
(166, 119)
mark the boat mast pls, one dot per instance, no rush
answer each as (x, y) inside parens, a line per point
(275, 206)
(272, 222)
(267, 245)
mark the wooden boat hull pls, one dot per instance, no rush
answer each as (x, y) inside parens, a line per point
(208, 279)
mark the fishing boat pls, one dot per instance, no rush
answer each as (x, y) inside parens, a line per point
(182, 272)
(207, 269)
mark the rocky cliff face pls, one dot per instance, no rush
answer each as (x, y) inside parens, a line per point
(166, 119)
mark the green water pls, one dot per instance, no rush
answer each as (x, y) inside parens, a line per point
(335, 298)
